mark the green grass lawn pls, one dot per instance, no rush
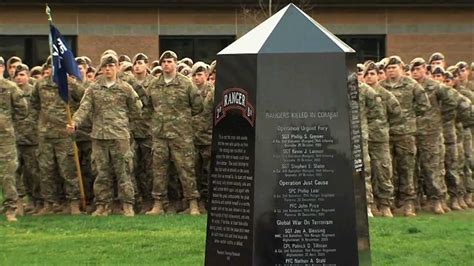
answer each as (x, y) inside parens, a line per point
(180, 240)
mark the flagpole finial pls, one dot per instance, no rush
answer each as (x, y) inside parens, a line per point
(48, 12)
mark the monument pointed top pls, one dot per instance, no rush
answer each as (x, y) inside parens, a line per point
(290, 30)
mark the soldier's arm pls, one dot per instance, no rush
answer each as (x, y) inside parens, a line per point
(134, 104)
(394, 110)
(465, 111)
(448, 102)
(84, 109)
(35, 102)
(422, 103)
(76, 90)
(19, 103)
(140, 91)
(195, 99)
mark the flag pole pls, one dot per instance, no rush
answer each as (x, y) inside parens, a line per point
(69, 118)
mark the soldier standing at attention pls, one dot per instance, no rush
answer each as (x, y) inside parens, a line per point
(429, 132)
(414, 102)
(27, 144)
(379, 148)
(202, 124)
(110, 102)
(175, 100)
(12, 106)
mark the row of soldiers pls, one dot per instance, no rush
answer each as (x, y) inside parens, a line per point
(135, 124)
(417, 122)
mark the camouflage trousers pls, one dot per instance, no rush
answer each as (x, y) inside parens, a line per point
(367, 173)
(143, 166)
(403, 151)
(8, 165)
(112, 158)
(182, 153)
(57, 155)
(429, 164)
(27, 173)
(381, 163)
(87, 169)
(467, 145)
(203, 169)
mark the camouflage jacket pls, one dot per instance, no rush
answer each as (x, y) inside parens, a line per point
(139, 89)
(443, 107)
(174, 104)
(141, 126)
(370, 107)
(50, 110)
(109, 109)
(391, 116)
(27, 129)
(13, 106)
(413, 101)
(83, 132)
(202, 122)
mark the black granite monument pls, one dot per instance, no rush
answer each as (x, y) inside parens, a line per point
(287, 184)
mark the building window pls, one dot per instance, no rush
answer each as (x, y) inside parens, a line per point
(33, 50)
(198, 48)
(367, 47)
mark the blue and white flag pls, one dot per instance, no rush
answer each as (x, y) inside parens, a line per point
(63, 62)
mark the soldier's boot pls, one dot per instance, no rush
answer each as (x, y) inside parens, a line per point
(74, 206)
(46, 210)
(385, 211)
(369, 212)
(468, 200)
(128, 210)
(375, 211)
(437, 208)
(157, 208)
(202, 206)
(30, 207)
(20, 210)
(454, 205)
(65, 208)
(194, 207)
(462, 203)
(171, 208)
(11, 216)
(145, 206)
(101, 210)
(427, 206)
(445, 206)
(409, 209)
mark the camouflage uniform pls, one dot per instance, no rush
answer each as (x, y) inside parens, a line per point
(429, 130)
(141, 129)
(55, 145)
(110, 109)
(379, 148)
(12, 106)
(28, 177)
(414, 102)
(467, 183)
(174, 104)
(202, 127)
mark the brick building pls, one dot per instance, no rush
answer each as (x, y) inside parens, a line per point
(199, 29)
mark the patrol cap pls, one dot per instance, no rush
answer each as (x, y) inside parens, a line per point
(108, 59)
(181, 66)
(109, 51)
(416, 62)
(360, 68)
(90, 70)
(2, 61)
(448, 75)
(156, 70)
(435, 57)
(212, 67)
(437, 70)
(140, 56)
(186, 70)
(36, 71)
(168, 54)
(188, 61)
(154, 64)
(382, 63)
(370, 65)
(88, 60)
(393, 60)
(127, 66)
(461, 64)
(19, 68)
(124, 58)
(472, 66)
(48, 62)
(199, 67)
(13, 60)
(454, 70)
(81, 60)
(406, 68)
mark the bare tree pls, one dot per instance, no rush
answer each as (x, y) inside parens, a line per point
(263, 9)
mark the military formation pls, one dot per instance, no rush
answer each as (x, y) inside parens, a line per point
(141, 130)
(417, 120)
